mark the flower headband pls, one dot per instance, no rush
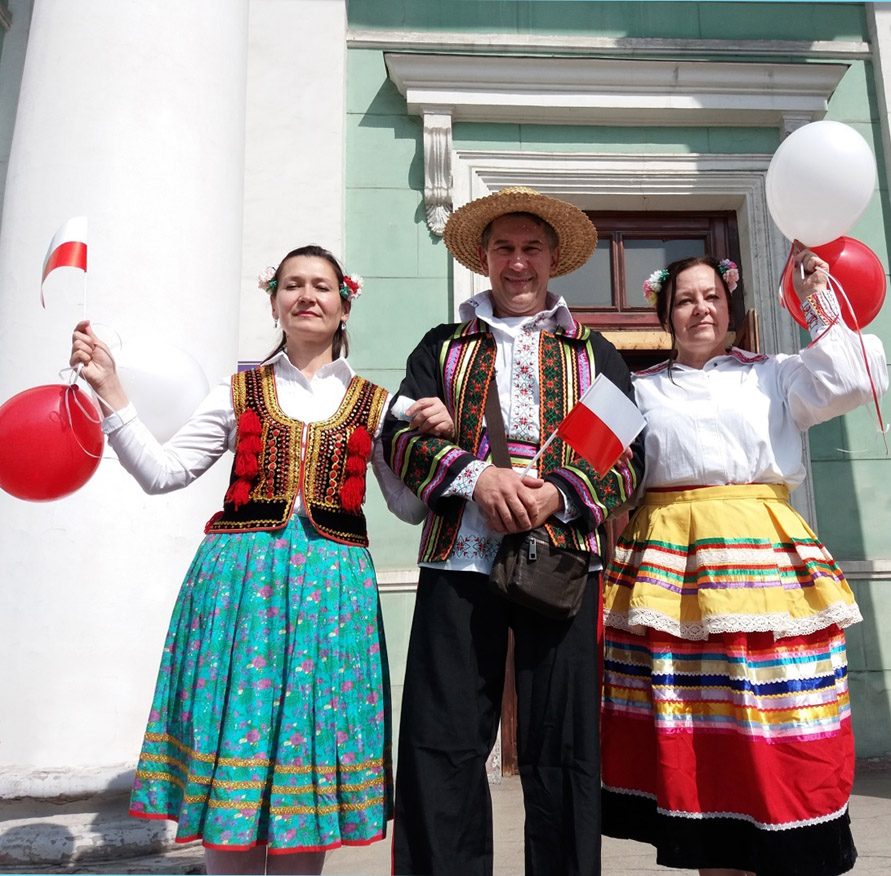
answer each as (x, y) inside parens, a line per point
(350, 289)
(730, 272)
(653, 284)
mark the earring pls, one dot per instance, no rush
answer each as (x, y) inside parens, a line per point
(275, 322)
(343, 325)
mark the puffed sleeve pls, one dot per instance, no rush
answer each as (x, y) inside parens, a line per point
(829, 377)
(158, 468)
(399, 498)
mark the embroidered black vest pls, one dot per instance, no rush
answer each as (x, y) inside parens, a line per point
(268, 472)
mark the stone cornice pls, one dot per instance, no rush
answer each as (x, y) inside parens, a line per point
(560, 44)
(448, 88)
(614, 91)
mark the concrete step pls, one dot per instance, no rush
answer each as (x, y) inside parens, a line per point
(77, 835)
(182, 860)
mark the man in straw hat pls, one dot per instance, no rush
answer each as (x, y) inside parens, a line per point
(521, 340)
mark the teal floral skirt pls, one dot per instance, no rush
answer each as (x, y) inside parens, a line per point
(271, 717)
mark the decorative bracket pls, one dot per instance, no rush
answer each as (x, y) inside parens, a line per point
(437, 169)
(793, 121)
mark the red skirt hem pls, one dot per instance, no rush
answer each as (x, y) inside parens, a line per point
(277, 850)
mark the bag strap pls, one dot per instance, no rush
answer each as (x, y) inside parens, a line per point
(495, 423)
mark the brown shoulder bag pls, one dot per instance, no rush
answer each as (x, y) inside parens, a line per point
(528, 569)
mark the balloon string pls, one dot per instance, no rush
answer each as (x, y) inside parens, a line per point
(839, 289)
(783, 277)
(74, 374)
(71, 390)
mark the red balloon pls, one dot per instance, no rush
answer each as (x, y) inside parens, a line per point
(50, 442)
(860, 273)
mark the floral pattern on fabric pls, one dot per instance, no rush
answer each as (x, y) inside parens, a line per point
(465, 483)
(271, 716)
(476, 547)
(820, 310)
(523, 423)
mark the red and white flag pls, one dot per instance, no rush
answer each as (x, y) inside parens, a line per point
(602, 424)
(67, 250)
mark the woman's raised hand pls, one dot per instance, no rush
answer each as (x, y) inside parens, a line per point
(806, 262)
(96, 366)
(431, 417)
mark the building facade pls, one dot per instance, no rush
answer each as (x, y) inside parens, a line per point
(204, 140)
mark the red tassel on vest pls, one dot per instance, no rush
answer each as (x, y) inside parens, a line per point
(247, 453)
(239, 492)
(352, 495)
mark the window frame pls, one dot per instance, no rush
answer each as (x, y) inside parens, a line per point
(717, 228)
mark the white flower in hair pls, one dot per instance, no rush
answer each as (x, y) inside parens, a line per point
(266, 280)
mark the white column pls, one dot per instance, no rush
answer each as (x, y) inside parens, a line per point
(295, 144)
(131, 113)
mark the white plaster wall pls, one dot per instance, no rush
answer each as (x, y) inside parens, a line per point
(131, 113)
(295, 145)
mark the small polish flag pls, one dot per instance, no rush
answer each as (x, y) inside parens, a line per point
(602, 424)
(67, 250)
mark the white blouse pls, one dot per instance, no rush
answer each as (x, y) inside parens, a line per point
(211, 431)
(739, 419)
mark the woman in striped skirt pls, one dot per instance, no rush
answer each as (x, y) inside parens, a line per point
(726, 735)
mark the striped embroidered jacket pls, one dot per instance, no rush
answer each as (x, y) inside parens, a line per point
(455, 362)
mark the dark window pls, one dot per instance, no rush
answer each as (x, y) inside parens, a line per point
(607, 292)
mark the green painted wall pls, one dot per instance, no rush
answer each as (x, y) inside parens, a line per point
(408, 274)
(717, 20)
(581, 138)
(405, 267)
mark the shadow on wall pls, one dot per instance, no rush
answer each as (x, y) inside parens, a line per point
(387, 112)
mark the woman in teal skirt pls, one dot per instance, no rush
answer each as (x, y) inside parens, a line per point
(269, 733)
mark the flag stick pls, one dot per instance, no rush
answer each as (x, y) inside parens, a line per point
(85, 295)
(537, 456)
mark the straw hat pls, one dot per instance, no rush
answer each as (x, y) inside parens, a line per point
(575, 231)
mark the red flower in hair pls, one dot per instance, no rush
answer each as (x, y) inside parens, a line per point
(352, 287)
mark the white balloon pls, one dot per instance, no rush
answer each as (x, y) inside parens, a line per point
(165, 383)
(820, 181)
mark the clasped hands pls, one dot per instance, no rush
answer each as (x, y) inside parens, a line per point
(511, 503)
